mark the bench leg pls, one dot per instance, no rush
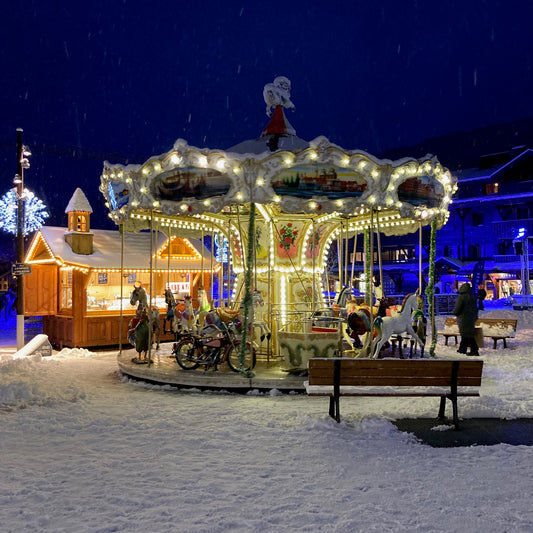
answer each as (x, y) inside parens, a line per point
(446, 337)
(334, 408)
(442, 408)
(504, 343)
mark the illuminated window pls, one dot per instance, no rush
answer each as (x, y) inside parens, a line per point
(490, 188)
(81, 223)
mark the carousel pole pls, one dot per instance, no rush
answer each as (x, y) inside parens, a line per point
(313, 295)
(346, 255)
(430, 289)
(168, 257)
(151, 284)
(353, 260)
(211, 274)
(380, 266)
(370, 282)
(121, 317)
(420, 258)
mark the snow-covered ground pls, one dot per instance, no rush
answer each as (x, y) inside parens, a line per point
(83, 449)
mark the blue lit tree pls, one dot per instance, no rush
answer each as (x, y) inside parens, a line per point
(34, 212)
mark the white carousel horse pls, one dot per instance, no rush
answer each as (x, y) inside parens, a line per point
(394, 325)
(257, 299)
(188, 318)
(138, 296)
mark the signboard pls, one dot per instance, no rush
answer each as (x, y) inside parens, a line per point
(20, 269)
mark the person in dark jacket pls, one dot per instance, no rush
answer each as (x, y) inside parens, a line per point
(466, 313)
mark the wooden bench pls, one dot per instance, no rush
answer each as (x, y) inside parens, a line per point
(495, 328)
(336, 377)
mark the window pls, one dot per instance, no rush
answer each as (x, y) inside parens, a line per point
(66, 289)
(477, 219)
(490, 188)
(81, 223)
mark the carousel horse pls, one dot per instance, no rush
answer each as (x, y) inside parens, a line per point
(171, 306)
(139, 336)
(221, 317)
(138, 296)
(257, 299)
(359, 323)
(395, 325)
(188, 318)
(203, 308)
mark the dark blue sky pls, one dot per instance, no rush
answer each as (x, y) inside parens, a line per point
(131, 77)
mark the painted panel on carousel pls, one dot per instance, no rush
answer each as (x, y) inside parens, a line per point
(313, 243)
(262, 239)
(288, 239)
(307, 181)
(421, 190)
(190, 182)
(119, 195)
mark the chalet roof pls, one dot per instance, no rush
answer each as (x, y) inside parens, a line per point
(79, 202)
(107, 251)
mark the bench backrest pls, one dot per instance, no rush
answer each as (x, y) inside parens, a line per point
(395, 372)
(492, 322)
(498, 322)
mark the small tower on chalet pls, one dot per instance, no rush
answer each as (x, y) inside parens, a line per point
(78, 234)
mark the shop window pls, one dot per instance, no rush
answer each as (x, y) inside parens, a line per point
(66, 289)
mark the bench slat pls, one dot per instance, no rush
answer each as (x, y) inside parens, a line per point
(392, 381)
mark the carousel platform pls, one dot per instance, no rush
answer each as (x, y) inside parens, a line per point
(164, 370)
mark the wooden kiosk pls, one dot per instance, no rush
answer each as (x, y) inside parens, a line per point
(76, 283)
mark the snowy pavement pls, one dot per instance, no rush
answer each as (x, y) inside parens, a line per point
(84, 449)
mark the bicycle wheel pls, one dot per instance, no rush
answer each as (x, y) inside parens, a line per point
(232, 356)
(186, 354)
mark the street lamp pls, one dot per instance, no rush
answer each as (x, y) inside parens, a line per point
(22, 163)
(520, 244)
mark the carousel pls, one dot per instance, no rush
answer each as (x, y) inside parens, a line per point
(274, 211)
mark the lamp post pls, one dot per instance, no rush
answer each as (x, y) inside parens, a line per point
(22, 163)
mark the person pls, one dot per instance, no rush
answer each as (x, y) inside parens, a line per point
(7, 302)
(481, 295)
(466, 312)
(505, 289)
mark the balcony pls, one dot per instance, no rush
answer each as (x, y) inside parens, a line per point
(508, 229)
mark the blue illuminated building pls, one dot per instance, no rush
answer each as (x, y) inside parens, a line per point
(492, 204)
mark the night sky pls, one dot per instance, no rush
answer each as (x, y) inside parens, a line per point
(123, 80)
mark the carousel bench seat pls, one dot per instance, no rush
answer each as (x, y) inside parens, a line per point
(495, 328)
(447, 379)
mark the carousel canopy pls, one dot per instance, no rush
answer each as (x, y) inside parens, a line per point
(283, 173)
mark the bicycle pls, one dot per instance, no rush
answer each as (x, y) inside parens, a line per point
(213, 346)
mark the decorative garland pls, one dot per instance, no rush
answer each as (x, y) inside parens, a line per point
(430, 289)
(248, 300)
(368, 269)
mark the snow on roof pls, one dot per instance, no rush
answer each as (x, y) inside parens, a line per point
(107, 246)
(79, 202)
